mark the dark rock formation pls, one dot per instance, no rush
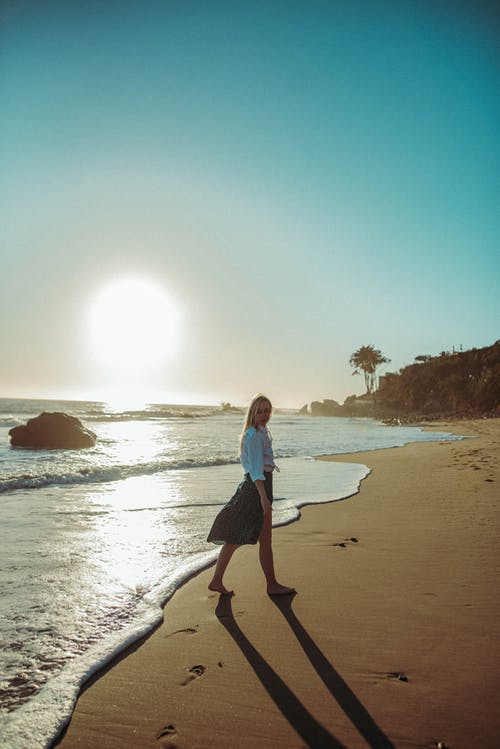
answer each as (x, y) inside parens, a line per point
(358, 405)
(51, 431)
(354, 405)
(228, 408)
(325, 408)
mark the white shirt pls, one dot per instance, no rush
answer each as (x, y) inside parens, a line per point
(257, 452)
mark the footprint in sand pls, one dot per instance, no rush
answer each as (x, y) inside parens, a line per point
(194, 672)
(164, 735)
(347, 542)
(397, 675)
(185, 631)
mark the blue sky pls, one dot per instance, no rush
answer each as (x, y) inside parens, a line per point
(301, 178)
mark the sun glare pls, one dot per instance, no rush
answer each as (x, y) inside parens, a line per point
(133, 326)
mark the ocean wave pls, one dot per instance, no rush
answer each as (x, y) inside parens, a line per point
(146, 415)
(9, 421)
(12, 416)
(102, 474)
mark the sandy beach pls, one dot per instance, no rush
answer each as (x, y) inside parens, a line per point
(391, 641)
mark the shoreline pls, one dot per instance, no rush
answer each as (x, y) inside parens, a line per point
(129, 720)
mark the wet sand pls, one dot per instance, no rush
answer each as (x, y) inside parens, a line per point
(391, 641)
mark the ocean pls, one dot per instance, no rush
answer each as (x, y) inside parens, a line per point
(93, 542)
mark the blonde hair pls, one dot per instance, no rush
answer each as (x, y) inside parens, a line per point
(251, 412)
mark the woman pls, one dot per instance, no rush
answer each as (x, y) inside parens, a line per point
(247, 517)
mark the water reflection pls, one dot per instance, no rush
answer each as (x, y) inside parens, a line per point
(137, 441)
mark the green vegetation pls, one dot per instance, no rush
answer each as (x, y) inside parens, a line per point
(461, 383)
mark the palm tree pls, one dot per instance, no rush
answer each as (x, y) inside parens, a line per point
(367, 359)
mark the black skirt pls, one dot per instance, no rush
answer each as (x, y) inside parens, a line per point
(240, 520)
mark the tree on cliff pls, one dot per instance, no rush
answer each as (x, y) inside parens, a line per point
(367, 359)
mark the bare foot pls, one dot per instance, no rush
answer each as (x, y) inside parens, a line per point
(279, 590)
(220, 589)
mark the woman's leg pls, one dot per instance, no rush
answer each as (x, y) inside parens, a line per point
(225, 555)
(267, 560)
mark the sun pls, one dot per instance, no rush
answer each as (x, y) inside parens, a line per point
(133, 326)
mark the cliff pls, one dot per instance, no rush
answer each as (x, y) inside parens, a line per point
(458, 383)
(455, 383)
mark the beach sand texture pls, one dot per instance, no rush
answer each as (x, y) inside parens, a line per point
(392, 640)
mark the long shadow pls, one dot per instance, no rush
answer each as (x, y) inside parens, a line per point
(347, 700)
(312, 732)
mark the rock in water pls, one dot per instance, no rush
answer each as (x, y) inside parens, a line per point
(52, 431)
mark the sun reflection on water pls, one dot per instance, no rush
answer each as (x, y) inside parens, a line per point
(138, 441)
(137, 527)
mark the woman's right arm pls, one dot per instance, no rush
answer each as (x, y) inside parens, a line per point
(264, 500)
